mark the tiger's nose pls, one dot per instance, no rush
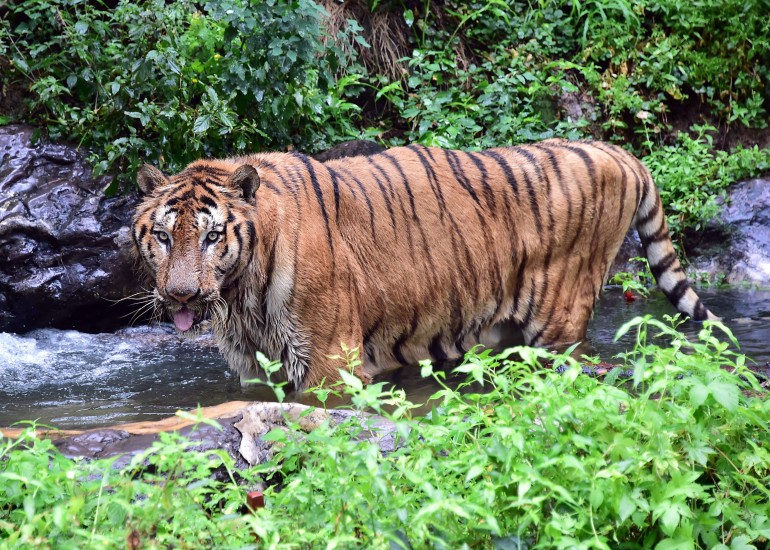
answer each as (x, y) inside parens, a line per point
(183, 295)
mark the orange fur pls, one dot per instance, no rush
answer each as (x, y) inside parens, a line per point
(404, 255)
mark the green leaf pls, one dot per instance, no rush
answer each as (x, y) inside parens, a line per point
(675, 544)
(351, 380)
(699, 392)
(201, 124)
(626, 507)
(426, 368)
(409, 17)
(726, 394)
(276, 434)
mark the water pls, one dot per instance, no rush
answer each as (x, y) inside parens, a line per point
(70, 379)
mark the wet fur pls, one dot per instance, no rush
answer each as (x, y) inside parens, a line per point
(404, 255)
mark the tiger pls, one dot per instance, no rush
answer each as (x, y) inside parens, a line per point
(407, 254)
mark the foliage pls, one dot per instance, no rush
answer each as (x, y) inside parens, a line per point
(165, 497)
(171, 82)
(638, 281)
(693, 178)
(543, 457)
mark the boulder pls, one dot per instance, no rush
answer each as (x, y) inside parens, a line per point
(736, 246)
(60, 264)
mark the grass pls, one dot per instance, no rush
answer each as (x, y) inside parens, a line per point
(677, 457)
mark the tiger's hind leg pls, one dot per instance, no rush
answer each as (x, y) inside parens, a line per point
(562, 317)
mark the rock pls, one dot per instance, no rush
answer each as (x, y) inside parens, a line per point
(60, 264)
(737, 246)
(110, 442)
(260, 418)
(241, 436)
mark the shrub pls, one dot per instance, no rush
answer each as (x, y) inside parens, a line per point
(170, 82)
(527, 453)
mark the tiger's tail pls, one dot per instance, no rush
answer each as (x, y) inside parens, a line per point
(650, 223)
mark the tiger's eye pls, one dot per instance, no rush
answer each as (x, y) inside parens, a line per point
(162, 236)
(213, 236)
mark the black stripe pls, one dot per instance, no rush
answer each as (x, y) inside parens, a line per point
(663, 265)
(455, 166)
(700, 312)
(319, 195)
(510, 178)
(252, 233)
(554, 164)
(530, 188)
(208, 169)
(208, 201)
(623, 157)
(335, 184)
(202, 185)
(519, 281)
(676, 293)
(386, 178)
(436, 350)
(649, 216)
(489, 195)
(385, 197)
(362, 188)
(659, 236)
(397, 353)
(286, 183)
(432, 179)
(238, 237)
(397, 165)
(432, 284)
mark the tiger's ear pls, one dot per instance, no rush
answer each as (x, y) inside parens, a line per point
(149, 177)
(245, 178)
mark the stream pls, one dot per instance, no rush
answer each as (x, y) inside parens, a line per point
(70, 379)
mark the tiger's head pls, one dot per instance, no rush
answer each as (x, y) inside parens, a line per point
(194, 233)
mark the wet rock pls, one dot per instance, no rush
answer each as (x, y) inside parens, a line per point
(110, 442)
(60, 264)
(91, 444)
(737, 244)
(241, 434)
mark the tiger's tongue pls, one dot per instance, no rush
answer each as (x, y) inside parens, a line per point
(183, 319)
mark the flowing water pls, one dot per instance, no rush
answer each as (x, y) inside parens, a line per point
(70, 379)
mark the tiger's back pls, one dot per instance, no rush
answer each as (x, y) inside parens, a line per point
(414, 252)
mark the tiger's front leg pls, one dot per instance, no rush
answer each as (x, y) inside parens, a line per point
(340, 350)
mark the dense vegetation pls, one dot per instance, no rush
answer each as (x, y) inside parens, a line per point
(167, 82)
(676, 457)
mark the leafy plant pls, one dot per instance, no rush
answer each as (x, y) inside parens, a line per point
(541, 457)
(147, 81)
(693, 178)
(637, 281)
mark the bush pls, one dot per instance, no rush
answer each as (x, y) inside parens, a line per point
(693, 177)
(543, 457)
(169, 82)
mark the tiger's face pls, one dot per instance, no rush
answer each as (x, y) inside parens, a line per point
(194, 233)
